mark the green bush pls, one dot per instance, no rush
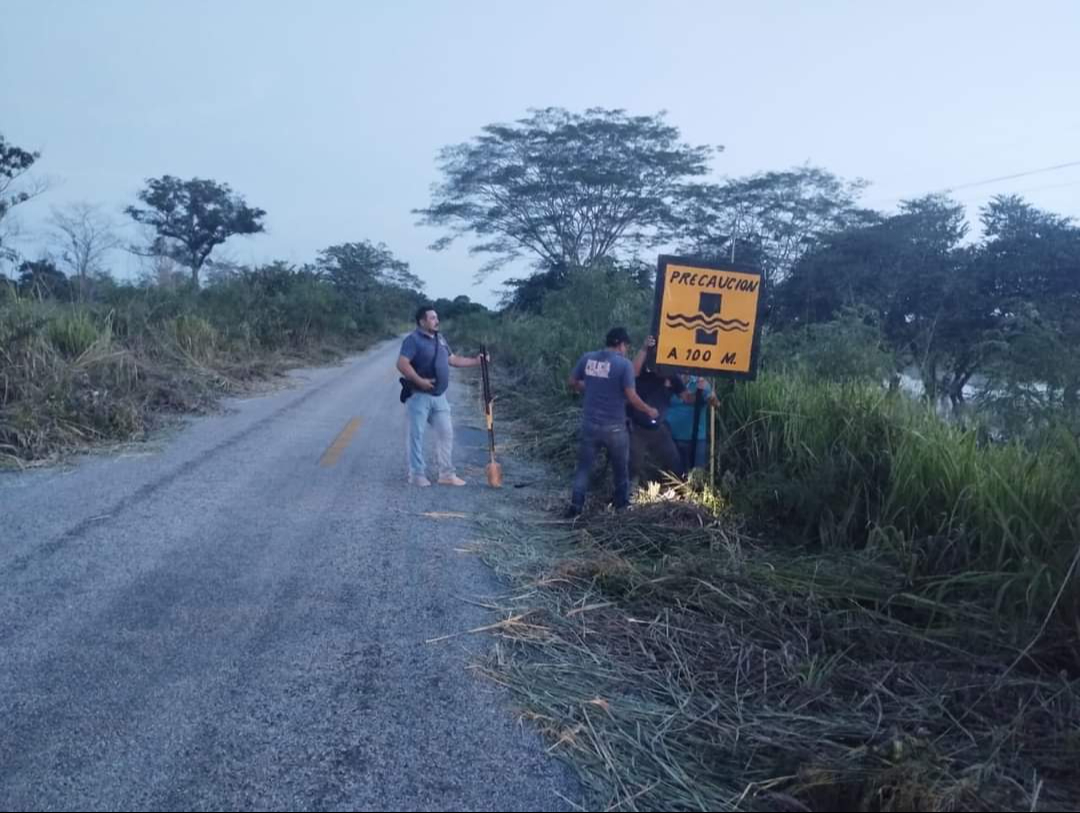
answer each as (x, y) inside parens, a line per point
(849, 348)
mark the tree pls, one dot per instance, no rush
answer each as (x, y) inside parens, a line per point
(911, 273)
(529, 293)
(459, 306)
(84, 236)
(14, 163)
(770, 219)
(354, 268)
(378, 287)
(1010, 217)
(191, 218)
(849, 347)
(1028, 270)
(41, 279)
(566, 189)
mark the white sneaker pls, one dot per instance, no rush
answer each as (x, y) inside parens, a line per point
(419, 480)
(451, 480)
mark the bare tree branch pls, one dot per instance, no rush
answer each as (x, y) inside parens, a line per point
(84, 236)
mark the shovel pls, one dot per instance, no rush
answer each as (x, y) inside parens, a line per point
(493, 469)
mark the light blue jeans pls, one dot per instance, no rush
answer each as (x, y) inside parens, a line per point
(423, 409)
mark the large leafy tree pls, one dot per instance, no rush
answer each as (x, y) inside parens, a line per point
(770, 219)
(911, 272)
(564, 189)
(1028, 272)
(376, 284)
(355, 268)
(191, 218)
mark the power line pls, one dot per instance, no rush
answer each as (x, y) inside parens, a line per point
(1054, 168)
(1023, 191)
(951, 189)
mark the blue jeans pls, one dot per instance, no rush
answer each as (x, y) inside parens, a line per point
(423, 409)
(616, 439)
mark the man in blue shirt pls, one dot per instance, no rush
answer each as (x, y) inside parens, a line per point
(425, 362)
(680, 420)
(606, 377)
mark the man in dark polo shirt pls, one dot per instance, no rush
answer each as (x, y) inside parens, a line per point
(652, 449)
(606, 378)
(425, 361)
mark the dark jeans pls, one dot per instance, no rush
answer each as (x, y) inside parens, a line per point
(653, 452)
(616, 439)
(701, 458)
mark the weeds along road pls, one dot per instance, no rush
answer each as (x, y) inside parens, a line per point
(238, 617)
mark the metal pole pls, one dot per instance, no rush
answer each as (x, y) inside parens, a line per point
(712, 434)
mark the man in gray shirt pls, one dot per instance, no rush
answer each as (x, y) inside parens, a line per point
(425, 362)
(606, 377)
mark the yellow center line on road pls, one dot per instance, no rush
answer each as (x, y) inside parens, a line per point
(330, 457)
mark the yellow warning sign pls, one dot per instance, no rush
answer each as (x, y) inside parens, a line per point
(706, 317)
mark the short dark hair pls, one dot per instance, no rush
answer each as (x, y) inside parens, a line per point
(617, 336)
(421, 312)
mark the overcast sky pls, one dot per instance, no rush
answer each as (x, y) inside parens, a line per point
(329, 113)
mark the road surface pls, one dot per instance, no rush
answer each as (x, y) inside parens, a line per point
(237, 617)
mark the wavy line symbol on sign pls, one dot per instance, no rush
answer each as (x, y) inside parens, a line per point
(708, 323)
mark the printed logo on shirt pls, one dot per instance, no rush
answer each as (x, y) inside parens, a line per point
(598, 369)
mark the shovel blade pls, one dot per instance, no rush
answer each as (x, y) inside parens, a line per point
(494, 474)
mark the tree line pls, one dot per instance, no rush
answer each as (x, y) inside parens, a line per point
(603, 189)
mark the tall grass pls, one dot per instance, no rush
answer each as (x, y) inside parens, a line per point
(74, 332)
(64, 382)
(884, 619)
(75, 374)
(853, 467)
(843, 466)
